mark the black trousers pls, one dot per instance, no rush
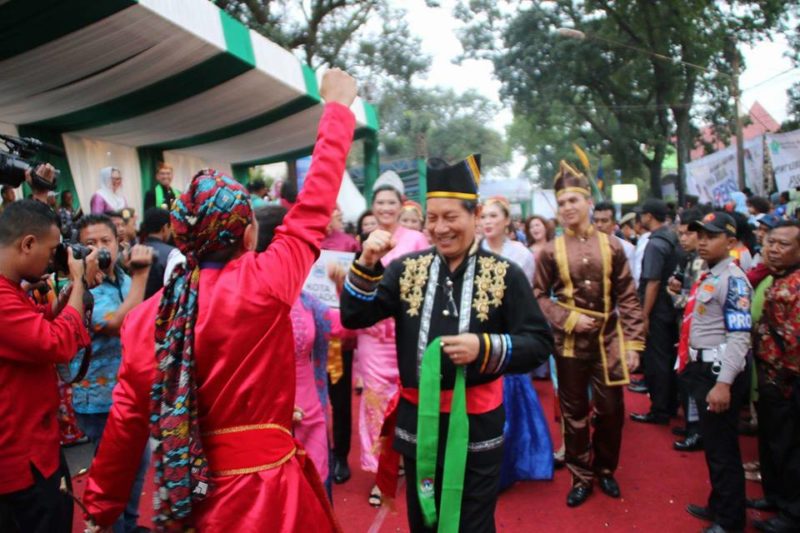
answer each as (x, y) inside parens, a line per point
(659, 365)
(341, 396)
(477, 503)
(779, 445)
(688, 404)
(42, 507)
(720, 432)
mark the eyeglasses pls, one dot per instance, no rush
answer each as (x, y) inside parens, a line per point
(451, 307)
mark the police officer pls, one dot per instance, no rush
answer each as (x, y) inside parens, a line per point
(689, 270)
(717, 350)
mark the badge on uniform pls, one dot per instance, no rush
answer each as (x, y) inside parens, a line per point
(737, 305)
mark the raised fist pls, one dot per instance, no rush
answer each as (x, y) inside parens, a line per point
(338, 86)
(141, 257)
(378, 244)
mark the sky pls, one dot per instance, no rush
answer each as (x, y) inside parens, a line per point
(436, 27)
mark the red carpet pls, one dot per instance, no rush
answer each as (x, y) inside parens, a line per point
(656, 484)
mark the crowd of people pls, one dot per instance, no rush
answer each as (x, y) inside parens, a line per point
(166, 346)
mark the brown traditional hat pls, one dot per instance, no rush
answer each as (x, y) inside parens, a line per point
(568, 179)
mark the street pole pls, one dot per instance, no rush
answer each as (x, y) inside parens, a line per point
(738, 123)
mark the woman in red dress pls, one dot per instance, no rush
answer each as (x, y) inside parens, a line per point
(219, 394)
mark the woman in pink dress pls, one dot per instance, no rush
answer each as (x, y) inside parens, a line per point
(311, 325)
(377, 356)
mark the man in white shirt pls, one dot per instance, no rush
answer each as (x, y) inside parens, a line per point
(605, 221)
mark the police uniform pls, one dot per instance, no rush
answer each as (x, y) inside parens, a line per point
(692, 268)
(719, 344)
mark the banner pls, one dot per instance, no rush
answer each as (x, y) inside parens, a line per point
(784, 150)
(754, 165)
(318, 284)
(713, 177)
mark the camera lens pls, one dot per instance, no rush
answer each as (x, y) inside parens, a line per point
(103, 258)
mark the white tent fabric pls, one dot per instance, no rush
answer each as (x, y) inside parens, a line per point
(350, 200)
(185, 167)
(178, 77)
(86, 158)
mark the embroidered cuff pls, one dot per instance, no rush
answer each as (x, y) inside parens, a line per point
(497, 353)
(636, 346)
(572, 321)
(362, 283)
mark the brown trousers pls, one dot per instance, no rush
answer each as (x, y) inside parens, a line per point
(597, 454)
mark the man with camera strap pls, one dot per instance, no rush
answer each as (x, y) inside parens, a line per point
(32, 340)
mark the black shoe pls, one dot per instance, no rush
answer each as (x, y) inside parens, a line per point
(680, 431)
(650, 418)
(777, 524)
(559, 461)
(761, 504)
(638, 382)
(703, 513)
(577, 495)
(692, 443)
(641, 389)
(341, 471)
(716, 528)
(609, 486)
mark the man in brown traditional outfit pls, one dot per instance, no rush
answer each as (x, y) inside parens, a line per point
(598, 328)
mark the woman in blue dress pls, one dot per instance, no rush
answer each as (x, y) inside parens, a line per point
(528, 448)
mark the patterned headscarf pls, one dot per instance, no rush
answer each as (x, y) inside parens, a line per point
(210, 216)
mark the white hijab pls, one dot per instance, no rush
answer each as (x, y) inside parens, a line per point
(114, 200)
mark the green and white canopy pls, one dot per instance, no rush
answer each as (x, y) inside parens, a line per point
(127, 84)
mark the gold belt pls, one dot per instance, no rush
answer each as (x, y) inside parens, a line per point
(589, 312)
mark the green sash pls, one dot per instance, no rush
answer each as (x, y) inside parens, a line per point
(160, 196)
(455, 455)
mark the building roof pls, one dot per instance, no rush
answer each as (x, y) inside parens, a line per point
(760, 122)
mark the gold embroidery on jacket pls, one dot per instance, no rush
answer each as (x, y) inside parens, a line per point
(413, 280)
(490, 285)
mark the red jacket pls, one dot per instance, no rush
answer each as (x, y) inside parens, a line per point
(31, 342)
(244, 363)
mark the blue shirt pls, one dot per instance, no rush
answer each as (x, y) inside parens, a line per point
(92, 395)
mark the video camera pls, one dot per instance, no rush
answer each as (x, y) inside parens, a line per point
(18, 157)
(79, 251)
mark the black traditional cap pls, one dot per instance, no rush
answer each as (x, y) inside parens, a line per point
(569, 179)
(459, 181)
(716, 222)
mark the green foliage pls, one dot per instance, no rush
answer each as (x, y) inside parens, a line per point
(388, 64)
(420, 122)
(630, 87)
(794, 91)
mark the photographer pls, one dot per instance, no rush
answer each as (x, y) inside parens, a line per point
(32, 340)
(113, 299)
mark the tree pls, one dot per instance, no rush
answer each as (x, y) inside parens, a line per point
(794, 90)
(422, 122)
(337, 33)
(386, 60)
(635, 81)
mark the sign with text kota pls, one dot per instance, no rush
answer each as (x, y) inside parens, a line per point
(318, 284)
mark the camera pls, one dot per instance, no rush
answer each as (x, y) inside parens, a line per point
(17, 158)
(79, 251)
(678, 274)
